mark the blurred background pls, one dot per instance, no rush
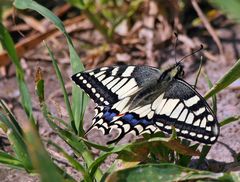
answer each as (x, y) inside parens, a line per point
(114, 32)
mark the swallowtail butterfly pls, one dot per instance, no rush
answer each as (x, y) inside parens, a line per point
(142, 99)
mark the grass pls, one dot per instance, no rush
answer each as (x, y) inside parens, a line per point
(30, 154)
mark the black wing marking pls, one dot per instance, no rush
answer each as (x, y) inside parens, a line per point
(108, 85)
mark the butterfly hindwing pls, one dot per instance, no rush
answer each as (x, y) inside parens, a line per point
(181, 106)
(100, 121)
(188, 112)
(107, 119)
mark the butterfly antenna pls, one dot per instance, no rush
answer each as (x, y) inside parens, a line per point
(175, 46)
(194, 52)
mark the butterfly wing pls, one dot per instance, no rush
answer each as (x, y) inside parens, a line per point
(108, 85)
(99, 122)
(188, 112)
(180, 106)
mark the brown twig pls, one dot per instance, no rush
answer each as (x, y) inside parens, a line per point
(32, 22)
(30, 42)
(208, 26)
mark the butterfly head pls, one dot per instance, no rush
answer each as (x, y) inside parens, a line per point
(175, 71)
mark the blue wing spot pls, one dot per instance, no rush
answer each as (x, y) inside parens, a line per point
(128, 117)
(133, 120)
(109, 115)
(145, 122)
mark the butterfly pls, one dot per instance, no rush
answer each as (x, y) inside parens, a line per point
(142, 99)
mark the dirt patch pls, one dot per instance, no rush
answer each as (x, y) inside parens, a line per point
(13, 175)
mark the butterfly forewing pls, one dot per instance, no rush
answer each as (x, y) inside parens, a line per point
(90, 82)
(108, 85)
(134, 99)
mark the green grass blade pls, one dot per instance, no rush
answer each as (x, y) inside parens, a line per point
(39, 83)
(73, 141)
(11, 122)
(184, 160)
(40, 158)
(20, 150)
(230, 7)
(17, 143)
(103, 156)
(214, 98)
(8, 44)
(203, 155)
(229, 120)
(232, 75)
(79, 99)
(119, 149)
(206, 148)
(72, 161)
(134, 150)
(9, 160)
(165, 172)
(198, 73)
(64, 91)
(61, 121)
(78, 3)
(14, 121)
(97, 146)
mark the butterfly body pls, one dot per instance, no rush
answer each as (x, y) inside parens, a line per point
(142, 99)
